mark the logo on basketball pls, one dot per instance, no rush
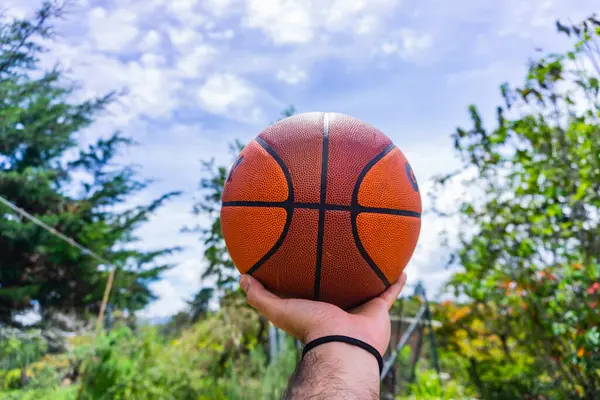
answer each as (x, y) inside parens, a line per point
(411, 177)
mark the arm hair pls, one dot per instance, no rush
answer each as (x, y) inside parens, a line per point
(318, 379)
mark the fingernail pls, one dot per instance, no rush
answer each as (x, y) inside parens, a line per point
(244, 283)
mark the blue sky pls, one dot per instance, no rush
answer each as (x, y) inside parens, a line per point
(201, 73)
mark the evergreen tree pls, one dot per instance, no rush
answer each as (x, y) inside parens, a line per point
(40, 124)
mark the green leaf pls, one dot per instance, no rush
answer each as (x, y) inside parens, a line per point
(558, 329)
(592, 338)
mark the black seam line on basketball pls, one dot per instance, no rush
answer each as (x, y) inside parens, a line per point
(353, 217)
(366, 169)
(327, 207)
(365, 255)
(289, 210)
(286, 172)
(322, 200)
(356, 209)
(280, 204)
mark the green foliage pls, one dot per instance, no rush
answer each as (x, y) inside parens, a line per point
(64, 393)
(74, 190)
(17, 351)
(530, 244)
(218, 358)
(12, 379)
(428, 386)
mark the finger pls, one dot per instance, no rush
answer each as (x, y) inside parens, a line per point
(260, 298)
(391, 293)
(383, 302)
(295, 316)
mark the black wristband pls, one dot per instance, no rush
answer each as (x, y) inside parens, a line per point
(345, 339)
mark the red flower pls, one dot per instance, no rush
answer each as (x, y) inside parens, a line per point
(592, 289)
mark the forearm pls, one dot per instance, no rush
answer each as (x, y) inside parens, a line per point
(335, 371)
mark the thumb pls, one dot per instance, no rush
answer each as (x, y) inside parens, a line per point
(384, 302)
(295, 316)
(260, 298)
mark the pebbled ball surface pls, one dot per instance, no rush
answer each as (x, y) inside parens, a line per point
(322, 206)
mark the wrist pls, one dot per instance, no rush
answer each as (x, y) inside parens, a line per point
(352, 359)
(369, 339)
(346, 340)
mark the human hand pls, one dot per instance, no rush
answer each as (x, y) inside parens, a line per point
(308, 320)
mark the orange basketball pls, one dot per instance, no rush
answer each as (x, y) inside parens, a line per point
(322, 206)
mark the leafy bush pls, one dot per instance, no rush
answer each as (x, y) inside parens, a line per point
(428, 387)
(12, 379)
(218, 358)
(63, 393)
(19, 348)
(530, 274)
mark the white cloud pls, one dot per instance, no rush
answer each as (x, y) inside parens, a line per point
(487, 72)
(182, 6)
(153, 90)
(389, 47)
(292, 75)
(187, 13)
(112, 32)
(151, 41)
(366, 24)
(357, 16)
(188, 272)
(193, 64)
(223, 93)
(414, 42)
(294, 22)
(12, 9)
(227, 34)
(184, 38)
(524, 18)
(170, 300)
(218, 7)
(152, 87)
(152, 60)
(284, 21)
(409, 44)
(340, 10)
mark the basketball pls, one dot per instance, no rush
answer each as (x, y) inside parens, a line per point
(322, 206)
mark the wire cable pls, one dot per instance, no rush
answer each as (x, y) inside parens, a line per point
(75, 244)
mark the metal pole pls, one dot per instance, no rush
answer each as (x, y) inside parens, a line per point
(108, 320)
(280, 341)
(434, 354)
(272, 342)
(403, 340)
(420, 289)
(107, 289)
